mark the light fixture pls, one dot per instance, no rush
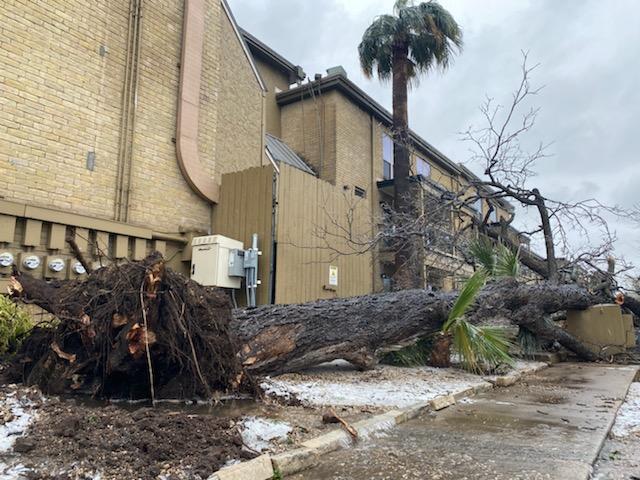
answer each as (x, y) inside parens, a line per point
(31, 262)
(56, 265)
(6, 259)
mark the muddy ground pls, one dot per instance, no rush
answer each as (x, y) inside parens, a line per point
(72, 441)
(72, 438)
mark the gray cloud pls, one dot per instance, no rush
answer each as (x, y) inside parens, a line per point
(588, 53)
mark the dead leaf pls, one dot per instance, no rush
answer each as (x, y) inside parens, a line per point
(138, 339)
(14, 286)
(118, 320)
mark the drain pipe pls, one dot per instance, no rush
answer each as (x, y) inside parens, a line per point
(127, 190)
(193, 31)
(126, 108)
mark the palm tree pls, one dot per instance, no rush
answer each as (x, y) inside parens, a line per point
(413, 41)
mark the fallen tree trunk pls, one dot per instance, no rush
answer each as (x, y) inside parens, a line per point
(144, 325)
(284, 338)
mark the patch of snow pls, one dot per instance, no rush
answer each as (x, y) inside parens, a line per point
(15, 472)
(628, 418)
(19, 409)
(383, 387)
(257, 433)
(352, 393)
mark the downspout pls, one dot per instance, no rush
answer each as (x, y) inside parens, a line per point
(126, 108)
(189, 103)
(127, 190)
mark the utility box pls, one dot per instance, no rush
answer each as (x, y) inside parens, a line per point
(601, 328)
(211, 259)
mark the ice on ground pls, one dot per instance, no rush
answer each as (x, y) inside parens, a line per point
(19, 410)
(15, 472)
(385, 386)
(628, 419)
(257, 433)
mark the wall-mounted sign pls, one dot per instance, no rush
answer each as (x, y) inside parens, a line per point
(78, 268)
(333, 275)
(56, 265)
(6, 259)
(31, 262)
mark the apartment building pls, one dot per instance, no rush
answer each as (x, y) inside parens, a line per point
(135, 126)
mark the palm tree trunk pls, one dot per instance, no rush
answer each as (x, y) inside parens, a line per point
(407, 271)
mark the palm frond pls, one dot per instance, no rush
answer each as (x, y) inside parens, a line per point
(376, 48)
(529, 343)
(466, 297)
(428, 31)
(507, 262)
(483, 253)
(481, 349)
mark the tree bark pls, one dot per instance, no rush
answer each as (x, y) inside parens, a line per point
(406, 274)
(552, 263)
(285, 338)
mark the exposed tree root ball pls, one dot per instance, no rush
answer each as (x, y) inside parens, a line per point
(135, 330)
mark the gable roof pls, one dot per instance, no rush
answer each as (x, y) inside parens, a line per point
(281, 152)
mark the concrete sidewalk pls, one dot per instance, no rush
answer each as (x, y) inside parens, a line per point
(551, 426)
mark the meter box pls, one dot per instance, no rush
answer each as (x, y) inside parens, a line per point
(211, 259)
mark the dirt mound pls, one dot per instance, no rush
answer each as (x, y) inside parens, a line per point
(71, 441)
(135, 330)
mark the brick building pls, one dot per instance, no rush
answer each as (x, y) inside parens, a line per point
(139, 124)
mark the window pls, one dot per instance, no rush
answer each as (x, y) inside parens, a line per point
(477, 206)
(423, 168)
(387, 157)
(360, 192)
(493, 216)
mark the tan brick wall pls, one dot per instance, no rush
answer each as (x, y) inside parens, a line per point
(59, 99)
(240, 113)
(304, 124)
(274, 79)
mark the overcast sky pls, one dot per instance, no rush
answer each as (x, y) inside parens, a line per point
(589, 55)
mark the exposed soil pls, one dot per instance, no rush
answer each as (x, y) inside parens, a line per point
(68, 441)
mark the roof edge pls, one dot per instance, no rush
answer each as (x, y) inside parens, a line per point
(346, 86)
(257, 47)
(245, 48)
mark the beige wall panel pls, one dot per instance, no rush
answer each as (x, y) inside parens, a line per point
(245, 209)
(308, 206)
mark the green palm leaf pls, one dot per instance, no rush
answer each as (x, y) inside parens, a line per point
(507, 262)
(466, 297)
(481, 349)
(483, 253)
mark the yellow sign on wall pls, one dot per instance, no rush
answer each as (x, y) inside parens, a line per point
(333, 275)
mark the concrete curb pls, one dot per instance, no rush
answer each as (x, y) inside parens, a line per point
(259, 468)
(309, 453)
